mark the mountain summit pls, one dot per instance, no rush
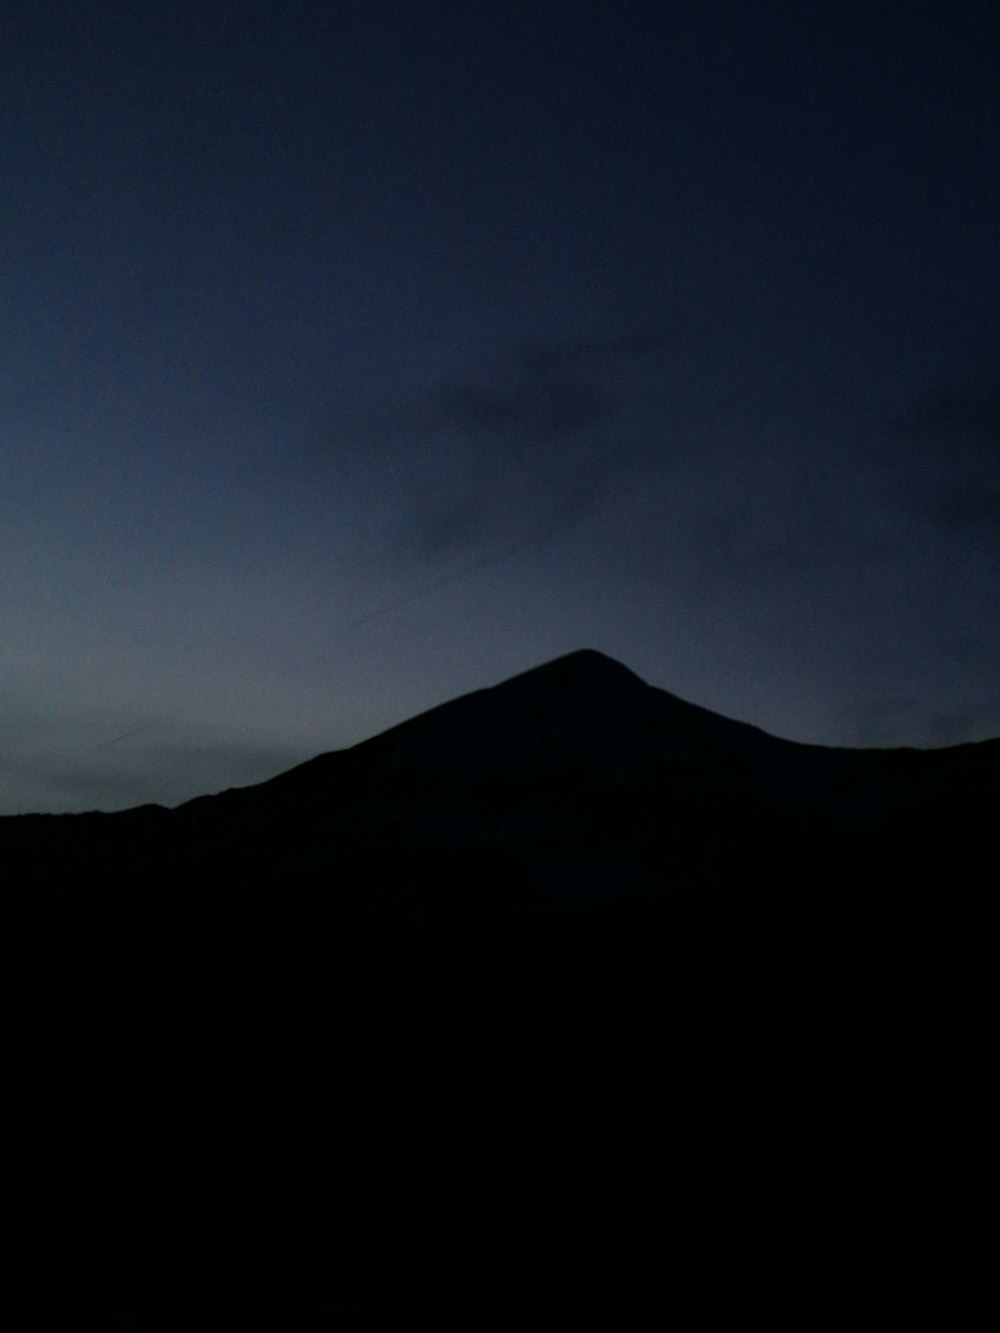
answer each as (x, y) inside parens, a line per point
(574, 779)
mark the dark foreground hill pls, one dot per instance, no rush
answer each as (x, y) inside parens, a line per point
(566, 1000)
(575, 780)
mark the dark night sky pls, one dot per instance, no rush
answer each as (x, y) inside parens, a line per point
(357, 355)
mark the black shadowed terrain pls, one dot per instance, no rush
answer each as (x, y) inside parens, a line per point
(564, 1002)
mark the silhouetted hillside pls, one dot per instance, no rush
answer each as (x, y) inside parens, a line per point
(566, 979)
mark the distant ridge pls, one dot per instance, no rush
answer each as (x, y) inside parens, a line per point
(585, 782)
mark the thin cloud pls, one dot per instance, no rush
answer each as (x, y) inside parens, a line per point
(570, 355)
(545, 391)
(533, 410)
(118, 740)
(526, 443)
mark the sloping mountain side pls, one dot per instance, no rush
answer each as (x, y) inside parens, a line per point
(566, 986)
(579, 779)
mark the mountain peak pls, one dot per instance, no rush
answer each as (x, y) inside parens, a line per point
(583, 668)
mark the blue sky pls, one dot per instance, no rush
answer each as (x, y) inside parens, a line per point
(359, 355)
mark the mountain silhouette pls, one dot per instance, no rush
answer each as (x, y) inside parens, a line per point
(586, 783)
(566, 985)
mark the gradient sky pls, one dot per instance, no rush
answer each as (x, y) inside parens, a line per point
(357, 355)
